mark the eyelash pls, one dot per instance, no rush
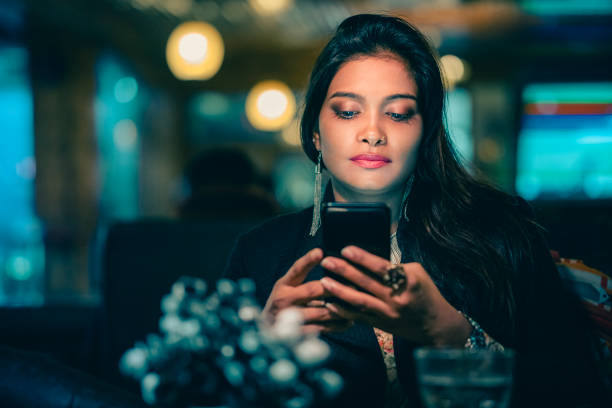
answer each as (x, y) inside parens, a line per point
(343, 114)
(396, 117)
(400, 117)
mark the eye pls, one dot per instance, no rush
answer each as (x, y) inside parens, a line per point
(346, 114)
(400, 117)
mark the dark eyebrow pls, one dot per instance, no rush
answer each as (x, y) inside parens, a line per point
(347, 95)
(360, 98)
(400, 96)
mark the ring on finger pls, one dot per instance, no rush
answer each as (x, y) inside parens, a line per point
(395, 277)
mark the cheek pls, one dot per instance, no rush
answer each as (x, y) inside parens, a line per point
(333, 147)
(331, 140)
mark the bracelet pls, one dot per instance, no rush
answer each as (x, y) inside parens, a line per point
(478, 338)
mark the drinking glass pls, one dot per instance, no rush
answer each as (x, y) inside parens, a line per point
(460, 378)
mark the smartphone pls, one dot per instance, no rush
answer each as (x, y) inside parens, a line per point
(366, 225)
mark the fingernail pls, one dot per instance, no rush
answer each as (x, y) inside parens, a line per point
(332, 307)
(348, 252)
(327, 283)
(327, 263)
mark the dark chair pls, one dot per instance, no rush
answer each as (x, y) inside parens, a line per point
(579, 230)
(33, 380)
(141, 261)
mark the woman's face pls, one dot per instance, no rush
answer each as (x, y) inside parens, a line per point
(370, 126)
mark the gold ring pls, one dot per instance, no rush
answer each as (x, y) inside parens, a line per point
(395, 277)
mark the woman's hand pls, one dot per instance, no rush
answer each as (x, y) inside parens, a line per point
(290, 290)
(417, 311)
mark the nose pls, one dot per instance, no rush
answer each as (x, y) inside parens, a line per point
(374, 136)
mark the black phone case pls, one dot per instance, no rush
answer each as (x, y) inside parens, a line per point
(365, 225)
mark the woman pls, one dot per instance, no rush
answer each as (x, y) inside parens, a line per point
(477, 272)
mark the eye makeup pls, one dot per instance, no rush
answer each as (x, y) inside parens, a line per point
(401, 117)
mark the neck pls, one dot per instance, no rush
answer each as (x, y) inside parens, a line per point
(393, 199)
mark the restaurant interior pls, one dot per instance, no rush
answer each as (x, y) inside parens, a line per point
(139, 138)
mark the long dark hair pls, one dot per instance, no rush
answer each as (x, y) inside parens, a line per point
(449, 225)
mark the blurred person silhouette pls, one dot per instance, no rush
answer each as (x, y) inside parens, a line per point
(223, 182)
(225, 197)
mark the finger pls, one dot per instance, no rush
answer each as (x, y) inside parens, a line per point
(370, 261)
(316, 303)
(363, 302)
(342, 312)
(352, 315)
(317, 315)
(359, 278)
(296, 296)
(307, 292)
(300, 268)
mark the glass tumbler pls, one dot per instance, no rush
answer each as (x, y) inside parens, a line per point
(460, 378)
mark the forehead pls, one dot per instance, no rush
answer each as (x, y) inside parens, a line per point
(380, 74)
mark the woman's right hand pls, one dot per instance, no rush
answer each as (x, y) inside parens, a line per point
(291, 291)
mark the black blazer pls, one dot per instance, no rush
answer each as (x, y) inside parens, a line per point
(555, 365)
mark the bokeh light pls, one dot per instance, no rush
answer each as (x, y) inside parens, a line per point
(125, 89)
(125, 135)
(272, 103)
(194, 51)
(270, 106)
(454, 69)
(19, 268)
(212, 104)
(270, 7)
(193, 47)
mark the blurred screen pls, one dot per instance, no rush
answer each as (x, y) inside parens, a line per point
(564, 148)
(567, 7)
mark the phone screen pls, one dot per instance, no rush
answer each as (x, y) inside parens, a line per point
(365, 225)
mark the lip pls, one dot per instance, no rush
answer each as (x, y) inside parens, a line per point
(370, 161)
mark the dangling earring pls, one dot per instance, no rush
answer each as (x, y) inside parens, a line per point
(316, 210)
(407, 191)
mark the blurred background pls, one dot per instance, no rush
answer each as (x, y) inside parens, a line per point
(138, 137)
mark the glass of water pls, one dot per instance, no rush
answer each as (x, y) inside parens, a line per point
(459, 378)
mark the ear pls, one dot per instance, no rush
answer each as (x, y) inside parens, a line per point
(316, 139)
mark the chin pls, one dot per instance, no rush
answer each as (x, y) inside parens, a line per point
(369, 188)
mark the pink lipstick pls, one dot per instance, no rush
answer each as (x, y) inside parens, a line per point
(370, 161)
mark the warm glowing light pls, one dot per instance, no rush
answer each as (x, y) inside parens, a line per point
(125, 135)
(270, 106)
(270, 7)
(193, 47)
(454, 69)
(194, 51)
(272, 103)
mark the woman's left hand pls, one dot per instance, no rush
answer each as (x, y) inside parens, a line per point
(416, 311)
